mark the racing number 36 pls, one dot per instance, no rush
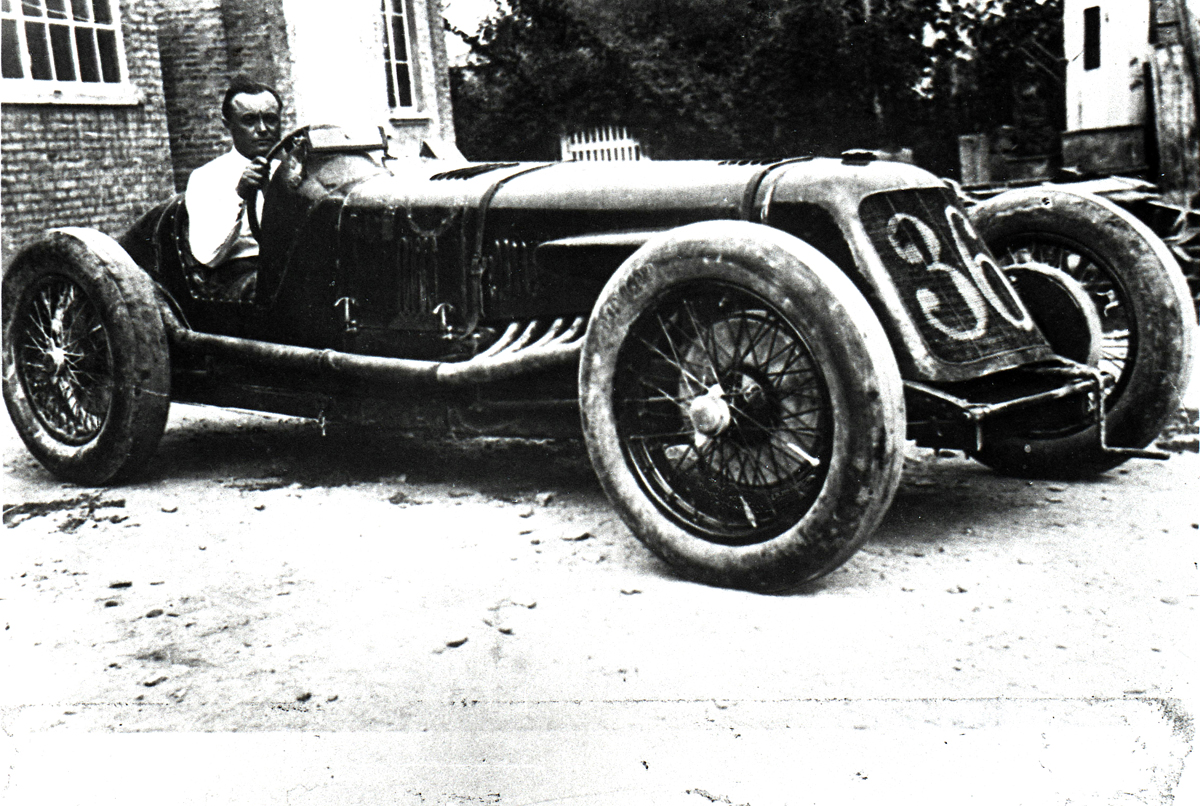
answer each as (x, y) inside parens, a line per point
(981, 285)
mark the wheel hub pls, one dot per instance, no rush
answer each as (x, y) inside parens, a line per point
(709, 413)
(58, 356)
(64, 360)
(723, 414)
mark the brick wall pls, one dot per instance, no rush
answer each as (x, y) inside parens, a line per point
(203, 44)
(97, 166)
(103, 166)
(256, 33)
(191, 44)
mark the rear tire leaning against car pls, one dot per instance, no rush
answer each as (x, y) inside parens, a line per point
(741, 406)
(85, 358)
(1144, 309)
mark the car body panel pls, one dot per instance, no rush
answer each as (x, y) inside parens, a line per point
(410, 256)
(743, 346)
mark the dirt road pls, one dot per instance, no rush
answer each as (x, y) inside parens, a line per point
(281, 617)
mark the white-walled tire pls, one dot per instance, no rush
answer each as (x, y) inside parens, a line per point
(741, 406)
(85, 358)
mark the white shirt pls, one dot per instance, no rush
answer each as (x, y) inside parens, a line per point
(218, 227)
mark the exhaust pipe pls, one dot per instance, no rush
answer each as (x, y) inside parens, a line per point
(515, 353)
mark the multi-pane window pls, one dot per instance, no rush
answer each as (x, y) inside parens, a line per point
(63, 41)
(398, 54)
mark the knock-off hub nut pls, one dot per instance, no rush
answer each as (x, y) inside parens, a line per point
(709, 414)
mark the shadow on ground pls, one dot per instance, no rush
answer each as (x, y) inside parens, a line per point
(261, 454)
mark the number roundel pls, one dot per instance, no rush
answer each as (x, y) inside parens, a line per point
(981, 288)
(1010, 306)
(929, 302)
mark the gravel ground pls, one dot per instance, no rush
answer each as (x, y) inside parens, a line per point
(279, 617)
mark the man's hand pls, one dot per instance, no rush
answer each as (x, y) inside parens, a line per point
(254, 178)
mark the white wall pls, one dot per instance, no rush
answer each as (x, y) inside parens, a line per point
(337, 62)
(338, 71)
(1113, 94)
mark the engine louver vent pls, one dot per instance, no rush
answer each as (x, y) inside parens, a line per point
(473, 170)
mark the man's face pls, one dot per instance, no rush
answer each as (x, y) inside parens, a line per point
(254, 123)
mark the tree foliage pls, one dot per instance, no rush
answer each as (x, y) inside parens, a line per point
(757, 78)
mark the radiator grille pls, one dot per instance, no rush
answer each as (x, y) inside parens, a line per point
(962, 304)
(417, 273)
(396, 273)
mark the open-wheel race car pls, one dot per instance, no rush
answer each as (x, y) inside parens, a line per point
(747, 344)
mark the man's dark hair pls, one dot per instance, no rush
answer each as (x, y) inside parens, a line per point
(244, 85)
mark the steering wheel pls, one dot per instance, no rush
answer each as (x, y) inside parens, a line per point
(288, 141)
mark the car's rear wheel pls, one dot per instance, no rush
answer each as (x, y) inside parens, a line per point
(1140, 298)
(741, 406)
(86, 367)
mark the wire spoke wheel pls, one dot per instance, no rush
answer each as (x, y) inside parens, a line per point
(1142, 311)
(741, 406)
(87, 374)
(723, 413)
(1117, 317)
(64, 360)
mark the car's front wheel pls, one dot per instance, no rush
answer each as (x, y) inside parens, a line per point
(1140, 299)
(86, 367)
(741, 406)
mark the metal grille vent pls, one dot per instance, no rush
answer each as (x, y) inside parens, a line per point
(964, 307)
(511, 273)
(417, 270)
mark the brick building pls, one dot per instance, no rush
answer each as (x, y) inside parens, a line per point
(107, 105)
(84, 135)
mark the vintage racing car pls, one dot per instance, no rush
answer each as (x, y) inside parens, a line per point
(747, 344)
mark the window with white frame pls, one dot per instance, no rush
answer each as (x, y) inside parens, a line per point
(62, 50)
(398, 56)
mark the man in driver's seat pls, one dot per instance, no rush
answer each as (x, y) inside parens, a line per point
(218, 192)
